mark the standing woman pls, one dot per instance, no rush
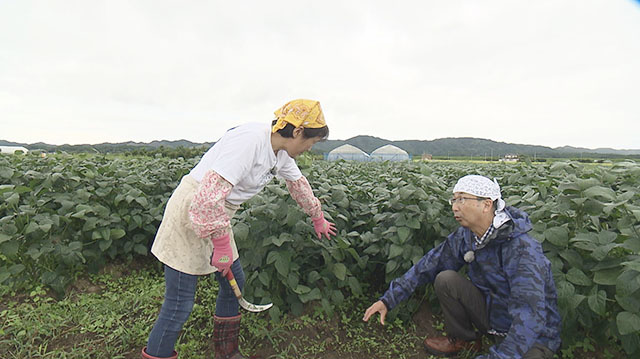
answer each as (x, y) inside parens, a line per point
(195, 236)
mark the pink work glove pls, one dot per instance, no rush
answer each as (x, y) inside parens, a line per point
(222, 257)
(322, 226)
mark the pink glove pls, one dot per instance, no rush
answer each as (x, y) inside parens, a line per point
(322, 226)
(222, 257)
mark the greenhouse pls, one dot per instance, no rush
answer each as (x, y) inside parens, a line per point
(348, 153)
(390, 153)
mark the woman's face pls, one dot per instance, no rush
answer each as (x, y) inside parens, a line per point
(299, 144)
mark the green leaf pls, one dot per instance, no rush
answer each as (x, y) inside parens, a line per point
(628, 322)
(6, 172)
(293, 280)
(31, 227)
(22, 189)
(391, 266)
(403, 234)
(142, 201)
(606, 276)
(4, 274)
(10, 248)
(13, 199)
(240, 231)
(565, 289)
(315, 294)
(597, 301)
(601, 251)
(572, 258)
(337, 296)
(354, 284)
(16, 268)
(117, 233)
(575, 301)
(606, 237)
(394, 251)
(600, 192)
(302, 289)
(577, 277)
(140, 249)
(413, 223)
(105, 233)
(272, 257)
(635, 265)
(4, 237)
(557, 235)
(629, 303)
(75, 246)
(105, 244)
(313, 277)
(340, 271)
(627, 283)
(264, 278)
(282, 266)
(632, 244)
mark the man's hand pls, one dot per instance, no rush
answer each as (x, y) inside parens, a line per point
(377, 307)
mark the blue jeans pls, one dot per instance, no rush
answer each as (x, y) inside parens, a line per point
(179, 296)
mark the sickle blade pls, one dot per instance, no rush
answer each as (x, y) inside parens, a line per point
(253, 307)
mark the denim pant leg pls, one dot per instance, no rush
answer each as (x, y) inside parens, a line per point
(227, 303)
(180, 290)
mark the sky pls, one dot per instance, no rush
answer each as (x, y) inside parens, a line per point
(547, 72)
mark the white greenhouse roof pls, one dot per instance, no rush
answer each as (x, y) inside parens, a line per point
(389, 149)
(12, 149)
(347, 149)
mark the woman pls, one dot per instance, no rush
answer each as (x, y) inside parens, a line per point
(195, 236)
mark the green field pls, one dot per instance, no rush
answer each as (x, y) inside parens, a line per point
(65, 218)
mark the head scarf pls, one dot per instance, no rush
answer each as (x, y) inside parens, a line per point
(483, 187)
(305, 113)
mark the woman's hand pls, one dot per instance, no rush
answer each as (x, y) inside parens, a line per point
(222, 256)
(322, 226)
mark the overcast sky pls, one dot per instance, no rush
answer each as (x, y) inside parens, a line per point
(547, 72)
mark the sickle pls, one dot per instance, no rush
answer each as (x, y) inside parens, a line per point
(243, 303)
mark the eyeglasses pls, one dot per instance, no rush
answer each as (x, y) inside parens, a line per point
(460, 200)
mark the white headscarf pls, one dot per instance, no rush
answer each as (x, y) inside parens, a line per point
(483, 187)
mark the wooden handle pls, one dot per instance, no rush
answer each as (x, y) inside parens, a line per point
(234, 284)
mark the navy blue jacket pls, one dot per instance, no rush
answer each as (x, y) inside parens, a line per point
(513, 274)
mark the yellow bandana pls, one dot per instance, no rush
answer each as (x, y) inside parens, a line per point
(305, 113)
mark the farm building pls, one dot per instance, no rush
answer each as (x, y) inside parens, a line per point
(349, 153)
(390, 153)
(12, 149)
(510, 158)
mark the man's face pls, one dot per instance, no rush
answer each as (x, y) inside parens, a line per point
(469, 210)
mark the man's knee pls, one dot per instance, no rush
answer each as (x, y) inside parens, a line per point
(444, 280)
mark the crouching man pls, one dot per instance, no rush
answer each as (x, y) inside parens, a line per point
(509, 293)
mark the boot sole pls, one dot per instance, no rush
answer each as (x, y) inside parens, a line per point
(450, 354)
(439, 353)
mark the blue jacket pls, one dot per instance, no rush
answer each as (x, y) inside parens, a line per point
(513, 274)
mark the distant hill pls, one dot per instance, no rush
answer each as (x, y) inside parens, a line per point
(451, 147)
(107, 147)
(471, 147)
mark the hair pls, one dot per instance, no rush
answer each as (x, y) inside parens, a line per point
(287, 131)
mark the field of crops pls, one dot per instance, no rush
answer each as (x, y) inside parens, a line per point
(63, 215)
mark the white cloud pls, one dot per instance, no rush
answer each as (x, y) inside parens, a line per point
(548, 72)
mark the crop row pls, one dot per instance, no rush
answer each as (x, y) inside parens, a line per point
(63, 214)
